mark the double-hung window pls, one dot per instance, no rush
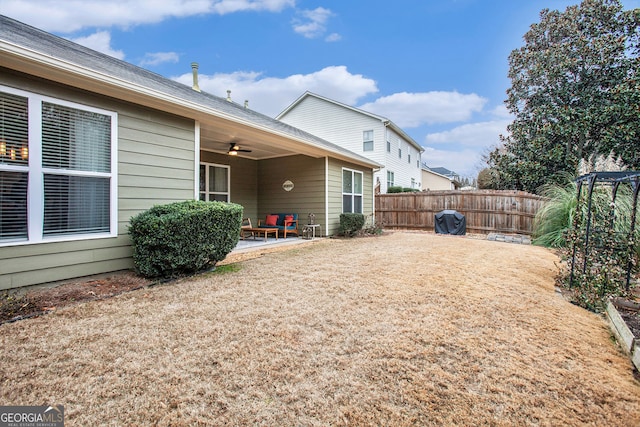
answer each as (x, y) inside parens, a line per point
(214, 182)
(57, 169)
(390, 179)
(367, 140)
(351, 191)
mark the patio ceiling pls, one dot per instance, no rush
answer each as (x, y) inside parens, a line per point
(216, 134)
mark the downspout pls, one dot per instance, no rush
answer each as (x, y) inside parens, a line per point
(326, 195)
(373, 195)
(196, 160)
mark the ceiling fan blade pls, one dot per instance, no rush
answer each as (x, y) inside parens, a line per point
(235, 147)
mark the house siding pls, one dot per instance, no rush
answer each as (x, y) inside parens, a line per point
(155, 166)
(339, 125)
(402, 169)
(307, 195)
(334, 181)
(344, 126)
(435, 182)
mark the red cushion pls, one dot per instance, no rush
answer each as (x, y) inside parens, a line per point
(288, 219)
(271, 220)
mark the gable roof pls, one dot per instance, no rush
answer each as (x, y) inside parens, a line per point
(442, 171)
(36, 52)
(384, 120)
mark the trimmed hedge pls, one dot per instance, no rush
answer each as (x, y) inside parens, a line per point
(351, 223)
(183, 237)
(398, 189)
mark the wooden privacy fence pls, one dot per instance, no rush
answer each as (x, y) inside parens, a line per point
(486, 211)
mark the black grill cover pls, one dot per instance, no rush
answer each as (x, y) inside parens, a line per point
(450, 222)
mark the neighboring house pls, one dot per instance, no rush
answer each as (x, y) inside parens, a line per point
(87, 141)
(367, 134)
(445, 172)
(433, 181)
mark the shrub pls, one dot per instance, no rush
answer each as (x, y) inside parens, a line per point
(183, 237)
(488, 179)
(372, 226)
(555, 218)
(398, 189)
(600, 271)
(350, 224)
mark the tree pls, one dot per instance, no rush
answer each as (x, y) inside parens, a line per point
(575, 92)
(487, 179)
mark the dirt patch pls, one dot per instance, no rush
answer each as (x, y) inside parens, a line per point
(632, 319)
(35, 301)
(404, 329)
(19, 305)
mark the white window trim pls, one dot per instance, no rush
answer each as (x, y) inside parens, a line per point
(353, 171)
(391, 183)
(364, 140)
(206, 181)
(35, 192)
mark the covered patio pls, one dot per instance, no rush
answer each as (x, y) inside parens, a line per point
(250, 244)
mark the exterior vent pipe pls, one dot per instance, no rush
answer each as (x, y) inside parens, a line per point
(194, 69)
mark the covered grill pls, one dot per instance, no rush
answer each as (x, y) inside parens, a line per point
(450, 222)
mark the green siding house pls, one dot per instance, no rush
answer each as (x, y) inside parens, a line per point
(87, 141)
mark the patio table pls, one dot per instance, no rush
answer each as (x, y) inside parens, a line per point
(258, 230)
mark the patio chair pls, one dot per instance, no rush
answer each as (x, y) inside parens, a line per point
(246, 224)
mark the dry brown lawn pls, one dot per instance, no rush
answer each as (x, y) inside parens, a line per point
(403, 329)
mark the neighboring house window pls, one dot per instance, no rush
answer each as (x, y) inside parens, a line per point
(58, 178)
(214, 182)
(399, 152)
(388, 146)
(413, 183)
(418, 163)
(390, 179)
(409, 158)
(351, 191)
(367, 140)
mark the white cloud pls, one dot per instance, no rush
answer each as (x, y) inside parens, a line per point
(271, 95)
(229, 6)
(464, 163)
(100, 41)
(415, 109)
(502, 112)
(157, 58)
(314, 22)
(72, 15)
(333, 37)
(481, 134)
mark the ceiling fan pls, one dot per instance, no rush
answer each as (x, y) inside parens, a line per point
(234, 149)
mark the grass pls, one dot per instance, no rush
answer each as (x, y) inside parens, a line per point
(402, 329)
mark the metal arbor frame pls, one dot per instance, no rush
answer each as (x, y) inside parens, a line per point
(614, 179)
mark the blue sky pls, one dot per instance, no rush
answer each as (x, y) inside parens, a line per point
(437, 68)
